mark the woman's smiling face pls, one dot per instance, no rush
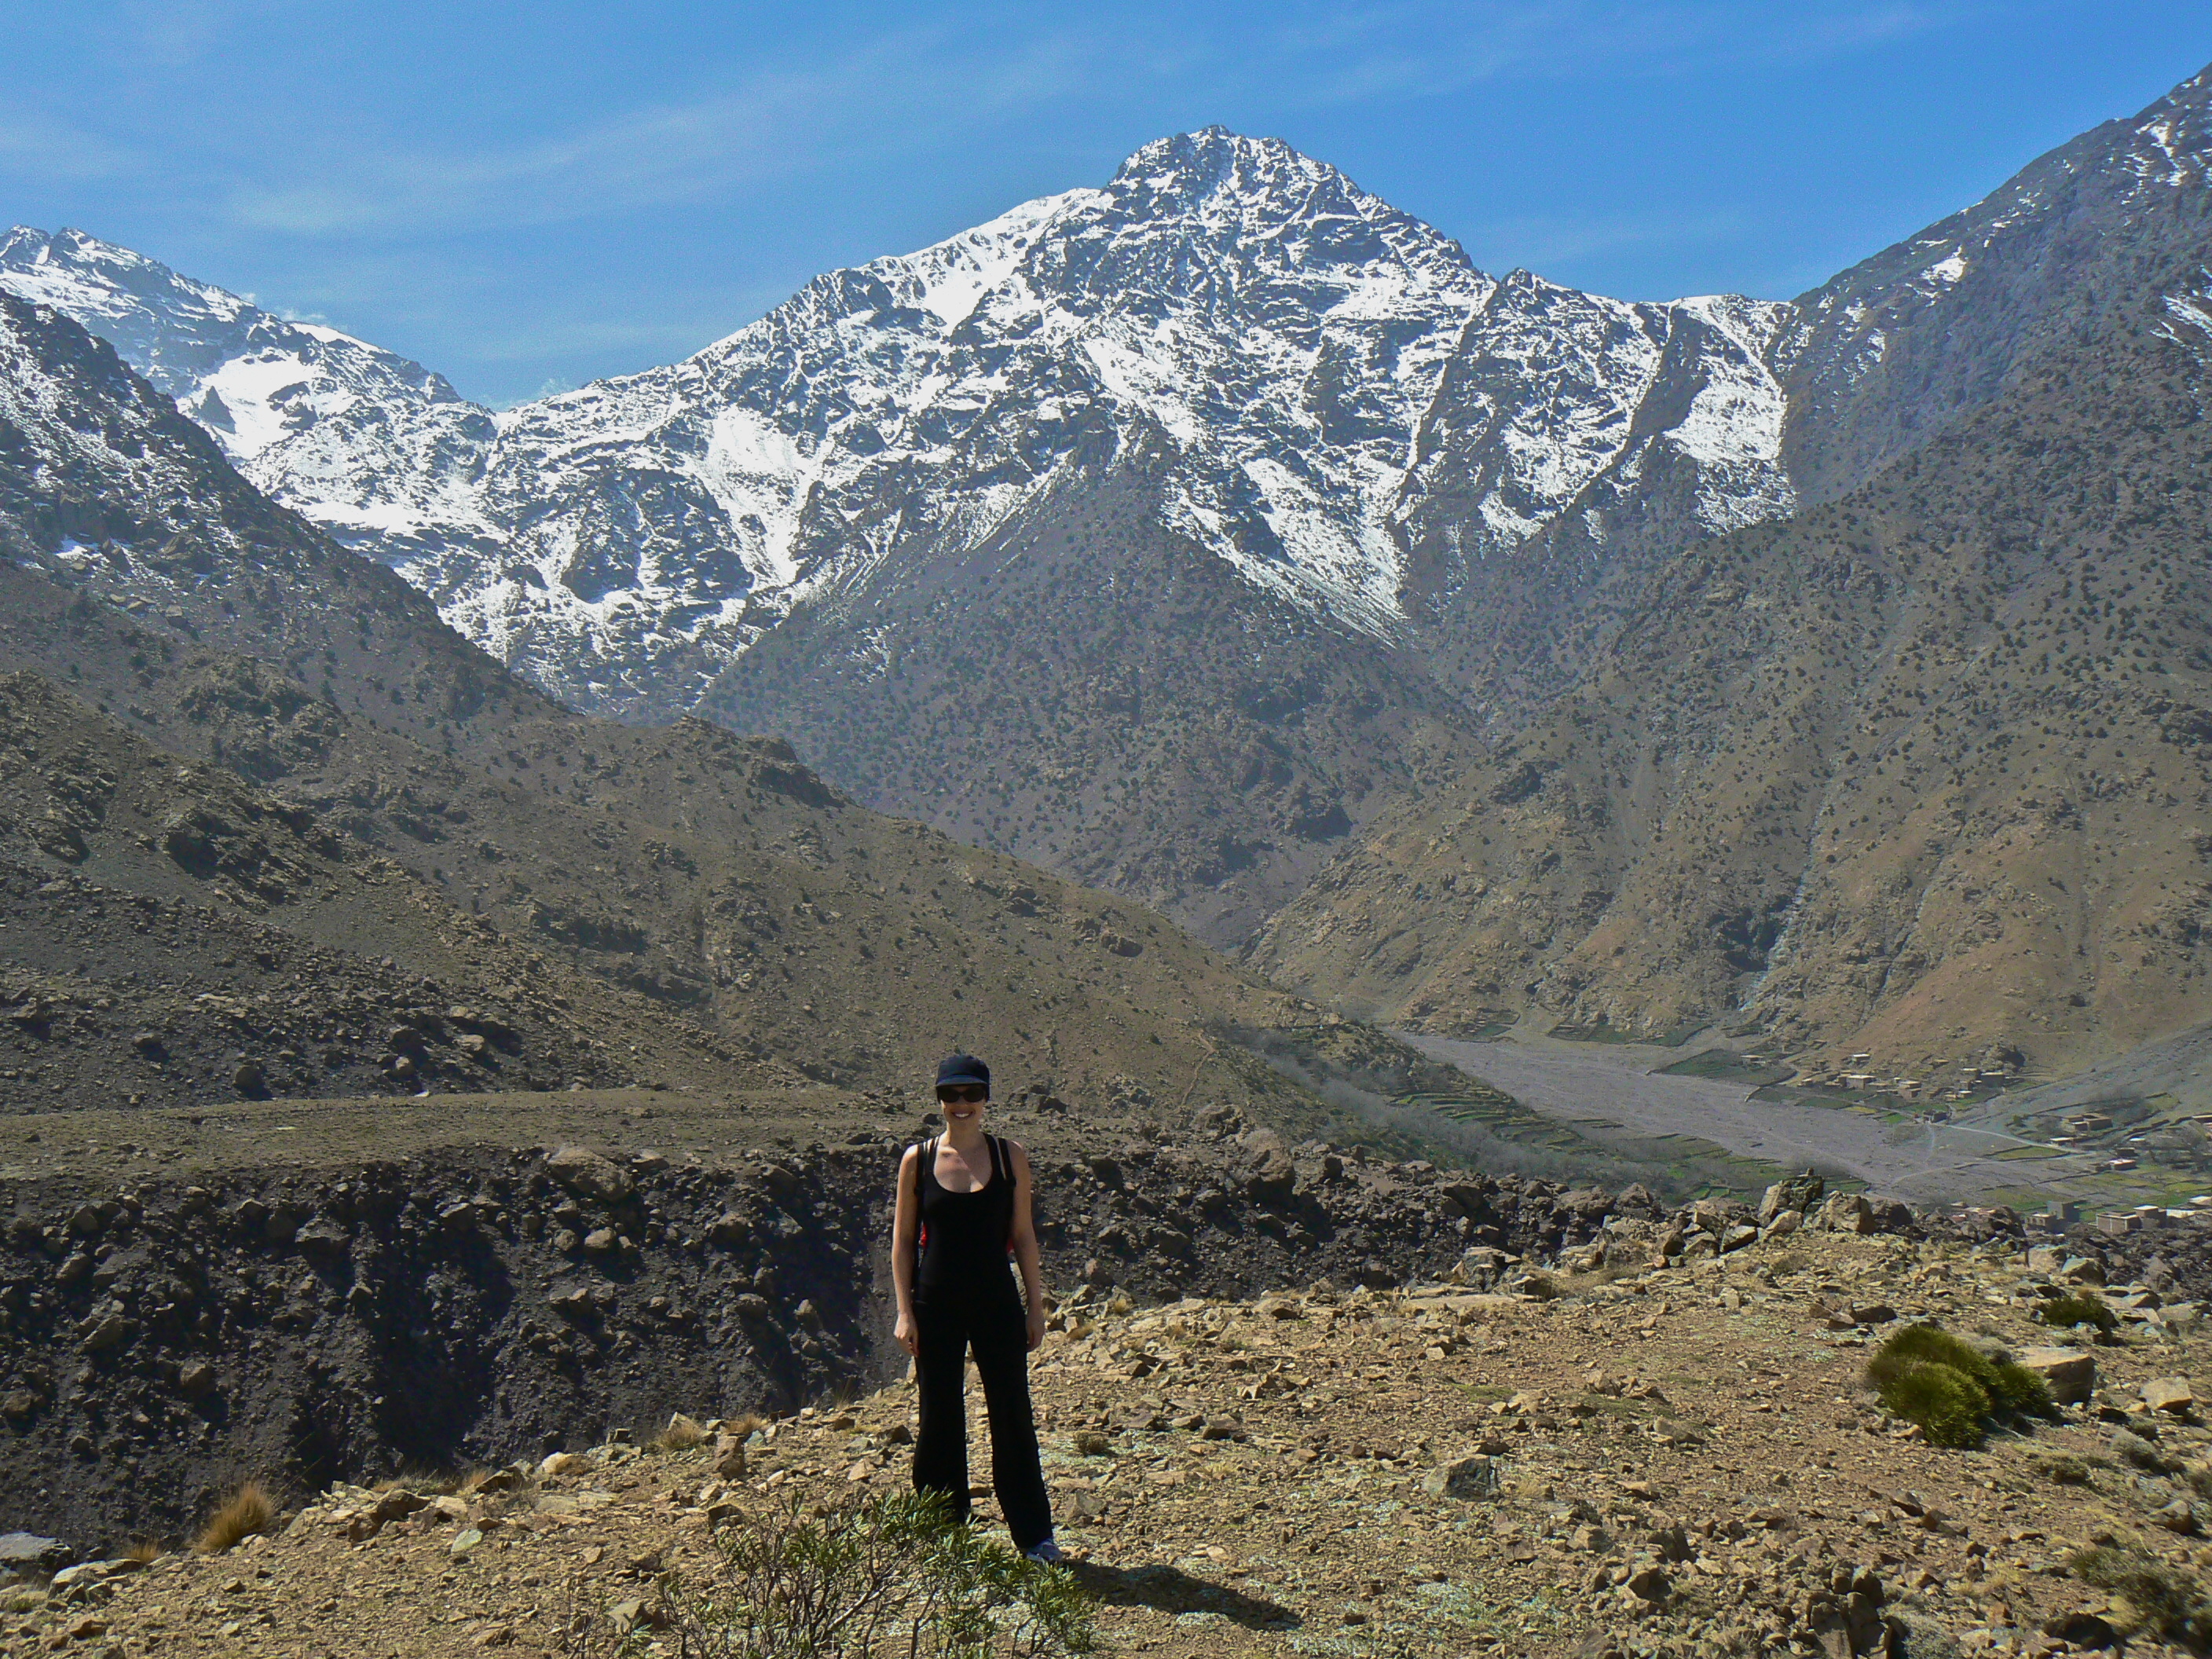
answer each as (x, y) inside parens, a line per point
(962, 1103)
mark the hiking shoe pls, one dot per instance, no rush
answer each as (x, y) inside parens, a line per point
(1048, 1551)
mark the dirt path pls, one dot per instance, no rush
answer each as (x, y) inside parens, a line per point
(1596, 1088)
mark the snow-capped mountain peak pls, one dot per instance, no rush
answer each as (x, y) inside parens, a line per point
(1308, 371)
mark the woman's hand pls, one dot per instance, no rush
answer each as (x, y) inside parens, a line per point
(910, 1339)
(1036, 1328)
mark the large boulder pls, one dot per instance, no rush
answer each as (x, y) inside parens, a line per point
(2069, 1373)
(1847, 1212)
(27, 1553)
(1474, 1478)
(1799, 1193)
(589, 1175)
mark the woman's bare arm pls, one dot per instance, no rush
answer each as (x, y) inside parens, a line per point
(906, 1228)
(1026, 1243)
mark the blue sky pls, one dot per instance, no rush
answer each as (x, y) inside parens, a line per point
(526, 195)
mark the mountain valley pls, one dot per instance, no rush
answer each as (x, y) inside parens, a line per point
(1217, 535)
(482, 891)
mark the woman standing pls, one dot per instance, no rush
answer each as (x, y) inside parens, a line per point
(964, 1204)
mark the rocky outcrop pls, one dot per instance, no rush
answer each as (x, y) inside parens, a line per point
(160, 1339)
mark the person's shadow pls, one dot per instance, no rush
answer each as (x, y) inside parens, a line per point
(1171, 1591)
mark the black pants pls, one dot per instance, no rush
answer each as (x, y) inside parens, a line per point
(994, 1326)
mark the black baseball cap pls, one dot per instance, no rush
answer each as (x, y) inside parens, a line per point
(963, 1068)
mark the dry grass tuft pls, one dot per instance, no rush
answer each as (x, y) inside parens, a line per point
(681, 1434)
(435, 1483)
(516, 1479)
(144, 1551)
(739, 1427)
(246, 1511)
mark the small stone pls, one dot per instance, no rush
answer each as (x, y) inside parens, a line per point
(465, 1541)
(561, 1463)
(1649, 1584)
(2177, 1516)
(600, 1240)
(108, 1331)
(1472, 1479)
(1872, 1313)
(1737, 1236)
(195, 1377)
(2069, 1373)
(2169, 1394)
(730, 1458)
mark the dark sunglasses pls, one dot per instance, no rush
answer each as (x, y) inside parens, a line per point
(964, 1091)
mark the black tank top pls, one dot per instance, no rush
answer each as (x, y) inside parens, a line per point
(964, 1234)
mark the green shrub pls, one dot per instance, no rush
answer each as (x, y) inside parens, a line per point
(2165, 1600)
(2081, 1308)
(889, 1575)
(1949, 1386)
(2010, 1386)
(1948, 1405)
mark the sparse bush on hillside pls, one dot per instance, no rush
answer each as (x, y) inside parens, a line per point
(2081, 1308)
(888, 1576)
(247, 1510)
(2166, 1602)
(1947, 1386)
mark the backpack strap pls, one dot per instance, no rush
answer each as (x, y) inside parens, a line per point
(1002, 1168)
(925, 1164)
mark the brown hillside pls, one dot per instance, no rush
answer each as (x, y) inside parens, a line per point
(690, 899)
(1921, 773)
(711, 886)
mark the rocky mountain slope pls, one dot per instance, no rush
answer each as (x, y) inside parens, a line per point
(265, 810)
(1920, 773)
(960, 523)
(978, 526)
(1231, 360)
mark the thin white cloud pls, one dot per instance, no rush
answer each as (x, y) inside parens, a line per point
(1536, 242)
(773, 125)
(875, 102)
(48, 149)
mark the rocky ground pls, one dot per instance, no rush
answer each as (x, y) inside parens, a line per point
(1669, 1451)
(308, 1290)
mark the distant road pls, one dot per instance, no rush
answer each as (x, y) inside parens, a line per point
(1595, 1087)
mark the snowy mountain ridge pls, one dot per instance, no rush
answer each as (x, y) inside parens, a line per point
(1305, 359)
(1165, 532)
